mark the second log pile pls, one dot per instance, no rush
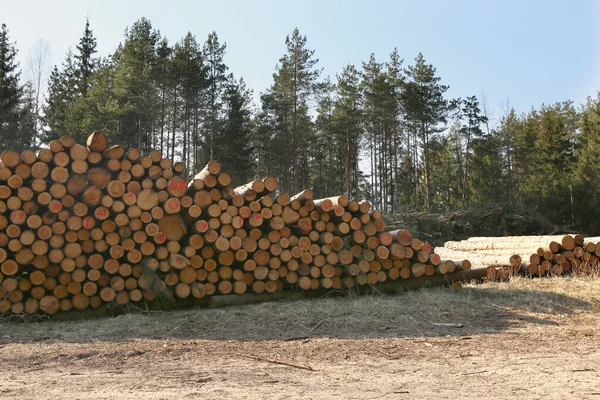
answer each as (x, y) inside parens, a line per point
(569, 254)
(82, 226)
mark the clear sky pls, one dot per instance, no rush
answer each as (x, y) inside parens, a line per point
(526, 52)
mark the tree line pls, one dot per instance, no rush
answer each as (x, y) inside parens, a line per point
(385, 131)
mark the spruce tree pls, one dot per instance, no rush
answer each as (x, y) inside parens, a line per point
(102, 107)
(587, 169)
(487, 177)
(85, 59)
(525, 136)
(470, 130)
(60, 101)
(235, 149)
(553, 164)
(12, 109)
(507, 133)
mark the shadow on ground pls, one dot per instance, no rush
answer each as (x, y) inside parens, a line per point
(430, 312)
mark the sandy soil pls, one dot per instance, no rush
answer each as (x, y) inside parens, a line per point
(516, 340)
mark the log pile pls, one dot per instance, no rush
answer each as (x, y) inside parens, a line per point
(532, 256)
(571, 254)
(85, 226)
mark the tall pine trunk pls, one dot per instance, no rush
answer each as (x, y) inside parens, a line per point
(139, 133)
(425, 139)
(174, 125)
(464, 197)
(395, 166)
(347, 162)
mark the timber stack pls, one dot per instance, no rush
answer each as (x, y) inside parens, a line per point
(85, 226)
(572, 254)
(530, 256)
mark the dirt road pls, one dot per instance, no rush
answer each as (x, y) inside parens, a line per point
(517, 340)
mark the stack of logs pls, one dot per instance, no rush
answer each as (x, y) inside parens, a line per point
(573, 254)
(83, 226)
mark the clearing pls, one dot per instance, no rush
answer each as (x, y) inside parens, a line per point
(526, 339)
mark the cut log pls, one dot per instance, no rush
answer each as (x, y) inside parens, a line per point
(212, 168)
(173, 226)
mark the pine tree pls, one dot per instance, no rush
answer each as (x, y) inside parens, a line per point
(264, 141)
(395, 79)
(445, 162)
(213, 53)
(426, 109)
(134, 86)
(286, 105)
(161, 76)
(191, 74)
(327, 168)
(347, 116)
(374, 91)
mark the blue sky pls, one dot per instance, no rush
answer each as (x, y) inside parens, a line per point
(524, 52)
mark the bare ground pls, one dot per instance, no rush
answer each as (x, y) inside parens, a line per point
(523, 339)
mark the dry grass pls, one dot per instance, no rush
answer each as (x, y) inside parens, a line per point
(585, 269)
(485, 308)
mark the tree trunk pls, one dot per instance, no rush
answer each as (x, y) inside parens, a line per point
(424, 136)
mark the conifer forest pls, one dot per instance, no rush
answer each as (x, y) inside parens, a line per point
(385, 131)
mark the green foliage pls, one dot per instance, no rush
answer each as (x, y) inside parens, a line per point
(16, 102)
(587, 170)
(486, 180)
(493, 219)
(234, 150)
(472, 138)
(446, 167)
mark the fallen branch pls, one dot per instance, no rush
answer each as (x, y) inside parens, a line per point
(308, 368)
(448, 325)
